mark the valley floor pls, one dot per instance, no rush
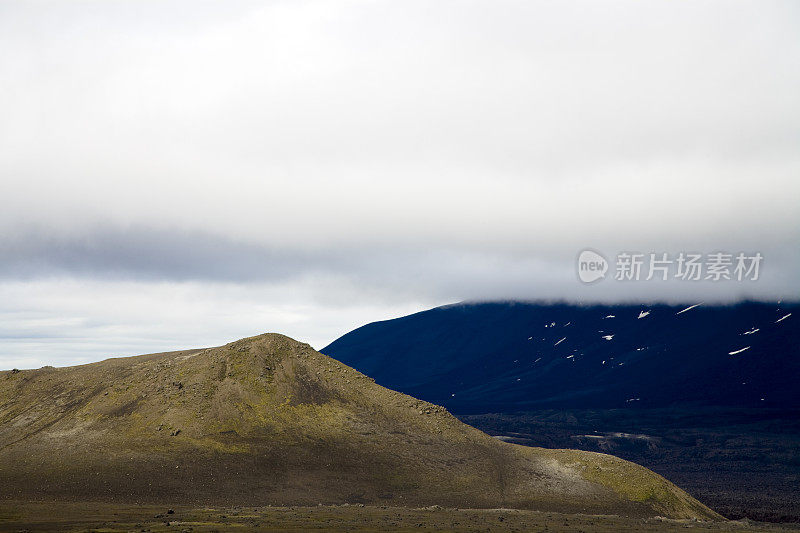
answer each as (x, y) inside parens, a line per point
(99, 517)
(743, 463)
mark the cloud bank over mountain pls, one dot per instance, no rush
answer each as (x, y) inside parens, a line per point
(337, 163)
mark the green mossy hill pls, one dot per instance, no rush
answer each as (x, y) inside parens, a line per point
(268, 420)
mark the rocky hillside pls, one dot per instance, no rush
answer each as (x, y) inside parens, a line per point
(267, 420)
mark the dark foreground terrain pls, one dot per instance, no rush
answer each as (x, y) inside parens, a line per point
(109, 518)
(740, 462)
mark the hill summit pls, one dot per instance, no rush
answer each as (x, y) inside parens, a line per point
(268, 420)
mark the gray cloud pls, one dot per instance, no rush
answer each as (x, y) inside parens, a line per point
(145, 253)
(360, 157)
(387, 271)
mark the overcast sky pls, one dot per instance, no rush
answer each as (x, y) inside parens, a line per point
(180, 174)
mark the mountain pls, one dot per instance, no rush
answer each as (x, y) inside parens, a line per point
(267, 420)
(511, 356)
(706, 396)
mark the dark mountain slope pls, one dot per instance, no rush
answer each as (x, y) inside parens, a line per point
(505, 357)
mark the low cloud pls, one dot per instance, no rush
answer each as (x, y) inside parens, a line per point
(359, 159)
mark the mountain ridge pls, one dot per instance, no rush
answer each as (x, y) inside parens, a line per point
(269, 420)
(479, 357)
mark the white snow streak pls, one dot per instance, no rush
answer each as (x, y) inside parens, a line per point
(688, 308)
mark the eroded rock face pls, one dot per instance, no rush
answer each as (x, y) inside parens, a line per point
(268, 420)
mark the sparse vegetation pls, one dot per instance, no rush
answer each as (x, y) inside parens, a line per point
(338, 518)
(742, 463)
(267, 420)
